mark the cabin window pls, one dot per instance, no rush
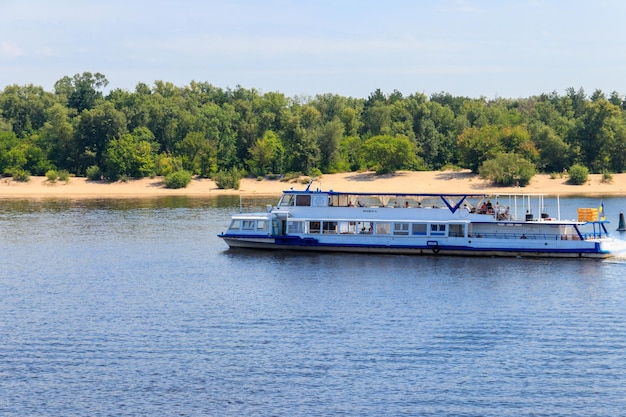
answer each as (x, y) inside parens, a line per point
(235, 225)
(418, 229)
(261, 225)
(456, 230)
(437, 229)
(303, 200)
(364, 227)
(347, 228)
(383, 228)
(330, 228)
(340, 200)
(314, 227)
(401, 229)
(248, 225)
(287, 200)
(295, 227)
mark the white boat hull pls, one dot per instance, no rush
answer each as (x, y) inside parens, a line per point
(486, 248)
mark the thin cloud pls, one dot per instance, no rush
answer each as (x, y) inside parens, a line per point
(210, 44)
(10, 50)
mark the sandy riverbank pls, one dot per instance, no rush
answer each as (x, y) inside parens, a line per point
(408, 182)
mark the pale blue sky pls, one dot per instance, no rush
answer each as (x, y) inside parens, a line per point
(511, 49)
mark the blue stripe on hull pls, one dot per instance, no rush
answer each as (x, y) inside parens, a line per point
(440, 248)
(296, 242)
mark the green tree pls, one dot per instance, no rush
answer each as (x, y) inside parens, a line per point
(24, 107)
(304, 152)
(351, 154)
(435, 131)
(508, 169)
(329, 136)
(377, 119)
(256, 114)
(352, 123)
(554, 153)
(8, 141)
(199, 154)
(517, 139)
(82, 90)
(218, 125)
(386, 154)
(401, 119)
(22, 155)
(597, 132)
(58, 134)
(474, 111)
(94, 130)
(477, 145)
(266, 155)
(330, 106)
(618, 156)
(131, 155)
(300, 139)
(546, 113)
(134, 105)
(164, 112)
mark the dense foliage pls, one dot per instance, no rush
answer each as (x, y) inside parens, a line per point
(207, 130)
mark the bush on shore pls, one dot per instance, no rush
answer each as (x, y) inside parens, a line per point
(578, 174)
(228, 179)
(94, 173)
(178, 179)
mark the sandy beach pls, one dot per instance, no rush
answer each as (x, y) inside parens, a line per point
(402, 182)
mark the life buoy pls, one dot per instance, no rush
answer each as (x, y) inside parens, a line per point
(436, 249)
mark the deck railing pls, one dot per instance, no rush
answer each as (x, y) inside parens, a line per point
(534, 236)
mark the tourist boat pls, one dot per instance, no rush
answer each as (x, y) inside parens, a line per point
(423, 224)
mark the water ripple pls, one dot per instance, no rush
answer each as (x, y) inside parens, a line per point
(135, 310)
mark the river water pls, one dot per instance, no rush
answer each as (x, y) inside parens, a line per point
(136, 308)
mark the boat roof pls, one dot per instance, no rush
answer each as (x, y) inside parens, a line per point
(362, 193)
(308, 190)
(405, 194)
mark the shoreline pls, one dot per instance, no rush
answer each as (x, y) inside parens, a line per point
(433, 182)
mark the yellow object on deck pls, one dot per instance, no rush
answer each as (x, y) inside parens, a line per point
(587, 214)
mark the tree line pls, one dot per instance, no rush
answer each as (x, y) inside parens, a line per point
(206, 131)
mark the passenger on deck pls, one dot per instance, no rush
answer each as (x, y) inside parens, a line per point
(489, 207)
(406, 204)
(529, 216)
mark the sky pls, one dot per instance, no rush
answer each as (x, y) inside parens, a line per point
(499, 48)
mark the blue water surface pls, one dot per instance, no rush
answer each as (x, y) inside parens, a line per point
(136, 308)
